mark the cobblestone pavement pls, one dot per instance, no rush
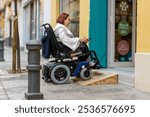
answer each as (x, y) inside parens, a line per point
(13, 86)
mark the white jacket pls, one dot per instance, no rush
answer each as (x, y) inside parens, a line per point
(65, 36)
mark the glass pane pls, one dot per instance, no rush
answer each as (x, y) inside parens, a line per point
(72, 8)
(123, 31)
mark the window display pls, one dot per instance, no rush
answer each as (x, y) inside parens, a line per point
(123, 31)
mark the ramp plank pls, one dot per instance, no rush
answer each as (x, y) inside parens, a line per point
(100, 78)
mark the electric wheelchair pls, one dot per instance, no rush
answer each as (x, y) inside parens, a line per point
(63, 63)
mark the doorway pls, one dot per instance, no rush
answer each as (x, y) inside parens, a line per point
(121, 33)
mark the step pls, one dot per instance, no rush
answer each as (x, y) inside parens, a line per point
(125, 75)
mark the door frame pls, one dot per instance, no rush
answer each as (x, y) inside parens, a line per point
(111, 36)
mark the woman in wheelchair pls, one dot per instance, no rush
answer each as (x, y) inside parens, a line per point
(64, 35)
(61, 44)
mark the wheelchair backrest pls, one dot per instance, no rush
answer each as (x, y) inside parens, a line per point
(49, 41)
(51, 46)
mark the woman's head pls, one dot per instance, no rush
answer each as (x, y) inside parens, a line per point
(64, 19)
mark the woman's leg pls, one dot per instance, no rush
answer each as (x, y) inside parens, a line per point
(85, 50)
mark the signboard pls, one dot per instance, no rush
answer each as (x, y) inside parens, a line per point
(123, 47)
(123, 28)
(124, 7)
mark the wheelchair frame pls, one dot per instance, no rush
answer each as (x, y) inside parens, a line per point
(64, 65)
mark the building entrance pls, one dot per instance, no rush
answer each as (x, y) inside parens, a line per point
(121, 35)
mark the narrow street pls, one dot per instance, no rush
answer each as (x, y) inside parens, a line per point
(98, 54)
(14, 86)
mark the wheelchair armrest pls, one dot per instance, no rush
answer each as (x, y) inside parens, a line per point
(75, 54)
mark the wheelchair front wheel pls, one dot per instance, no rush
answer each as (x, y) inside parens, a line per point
(86, 74)
(60, 74)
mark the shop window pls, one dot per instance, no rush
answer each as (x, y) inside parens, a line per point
(72, 8)
(123, 31)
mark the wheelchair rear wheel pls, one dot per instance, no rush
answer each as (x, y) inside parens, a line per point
(86, 74)
(60, 74)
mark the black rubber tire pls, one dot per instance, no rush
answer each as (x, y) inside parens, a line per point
(86, 74)
(60, 74)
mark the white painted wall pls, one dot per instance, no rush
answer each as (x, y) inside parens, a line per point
(24, 19)
(142, 71)
(1, 4)
(26, 25)
(7, 23)
(47, 11)
(20, 23)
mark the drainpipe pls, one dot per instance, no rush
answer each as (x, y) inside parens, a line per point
(10, 33)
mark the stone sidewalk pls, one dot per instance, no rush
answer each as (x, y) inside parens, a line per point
(13, 86)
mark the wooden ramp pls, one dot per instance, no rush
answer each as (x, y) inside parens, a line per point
(100, 78)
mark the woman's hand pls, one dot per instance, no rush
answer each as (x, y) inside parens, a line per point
(83, 39)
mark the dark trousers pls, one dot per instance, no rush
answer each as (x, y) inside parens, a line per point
(82, 48)
(85, 51)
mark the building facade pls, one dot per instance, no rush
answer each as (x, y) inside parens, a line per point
(30, 16)
(119, 32)
(110, 24)
(118, 29)
(2, 14)
(142, 56)
(5, 20)
(31, 19)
